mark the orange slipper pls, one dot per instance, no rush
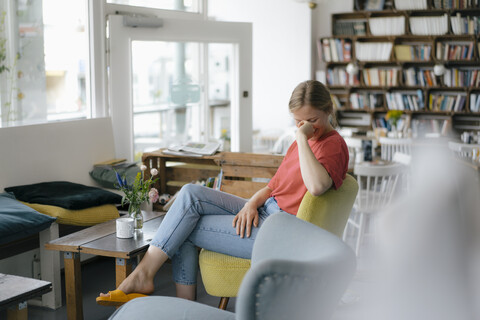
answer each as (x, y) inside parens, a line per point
(117, 298)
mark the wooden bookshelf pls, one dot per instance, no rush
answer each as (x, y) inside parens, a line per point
(398, 62)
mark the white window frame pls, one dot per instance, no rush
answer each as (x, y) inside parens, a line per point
(174, 29)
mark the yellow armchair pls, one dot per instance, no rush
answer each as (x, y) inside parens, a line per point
(222, 274)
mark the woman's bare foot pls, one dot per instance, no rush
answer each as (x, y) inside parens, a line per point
(141, 279)
(136, 282)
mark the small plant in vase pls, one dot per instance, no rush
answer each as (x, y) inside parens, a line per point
(393, 116)
(137, 193)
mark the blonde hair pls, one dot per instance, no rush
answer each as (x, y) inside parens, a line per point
(314, 94)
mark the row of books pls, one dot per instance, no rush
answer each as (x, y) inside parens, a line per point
(446, 102)
(419, 77)
(366, 100)
(380, 76)
(405, 101)
(373, 51)
(456, 4)
(428, 25)
(381, 122)
(421, 127)
(461, 77)
(475, 102)
(215, 182)
(337, 103)
(335, 50)
(350, 27)
(413, 52)
(411, 4)
(387, 26)
(455, 51)
(465, 25)
(339, 76)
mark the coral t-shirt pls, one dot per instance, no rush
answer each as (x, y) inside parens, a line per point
(287, 183)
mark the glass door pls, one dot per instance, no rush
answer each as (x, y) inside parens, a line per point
(171, 87)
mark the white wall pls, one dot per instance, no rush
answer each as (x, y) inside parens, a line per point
(281, 53)
(55, 151)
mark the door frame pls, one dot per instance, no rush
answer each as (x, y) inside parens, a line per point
(120, 72)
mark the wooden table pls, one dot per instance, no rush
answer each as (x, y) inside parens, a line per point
(100, 240)
(15, 291)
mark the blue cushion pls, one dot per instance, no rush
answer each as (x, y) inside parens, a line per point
(19, 221)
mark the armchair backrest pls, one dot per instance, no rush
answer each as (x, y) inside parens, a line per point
(330, 210)
(299, 271)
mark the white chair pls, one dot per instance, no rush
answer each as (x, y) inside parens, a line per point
(391, 145)
(377, 185)
(462, 150)
(356, 150)
(404, 159)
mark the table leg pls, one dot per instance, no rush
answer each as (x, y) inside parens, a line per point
(123, 267)
(73, 285)
(18, 312)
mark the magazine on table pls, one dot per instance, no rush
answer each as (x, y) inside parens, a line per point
(194, 149)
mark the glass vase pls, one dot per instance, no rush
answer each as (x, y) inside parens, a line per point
(135, 212)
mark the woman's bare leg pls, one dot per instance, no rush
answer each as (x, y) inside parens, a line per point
(188, 292)
(141, 279)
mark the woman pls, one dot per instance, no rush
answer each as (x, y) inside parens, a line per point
(220, 222)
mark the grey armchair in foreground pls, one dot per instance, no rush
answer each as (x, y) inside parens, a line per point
(299, 271)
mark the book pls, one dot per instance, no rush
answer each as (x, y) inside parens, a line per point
(347, 50)
(326, 50)
(403, 52)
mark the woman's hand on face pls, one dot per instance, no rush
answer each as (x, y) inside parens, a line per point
(244, 219)
(305, 129)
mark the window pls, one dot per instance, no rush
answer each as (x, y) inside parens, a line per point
(180, 5)
(43, 61)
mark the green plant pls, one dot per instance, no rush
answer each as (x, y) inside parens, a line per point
(393, 116)
(140, 191)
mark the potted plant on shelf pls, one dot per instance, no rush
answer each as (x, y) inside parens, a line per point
(392, 117)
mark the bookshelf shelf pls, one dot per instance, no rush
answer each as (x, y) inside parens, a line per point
(398, 62)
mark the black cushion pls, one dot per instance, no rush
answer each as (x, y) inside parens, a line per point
(64, 194)
(18, 221)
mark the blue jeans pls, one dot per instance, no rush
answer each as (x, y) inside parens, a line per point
(202, 217)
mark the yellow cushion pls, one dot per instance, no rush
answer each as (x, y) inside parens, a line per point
(84, 217)
(222, 274)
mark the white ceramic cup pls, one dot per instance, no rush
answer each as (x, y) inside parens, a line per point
(125, 228)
